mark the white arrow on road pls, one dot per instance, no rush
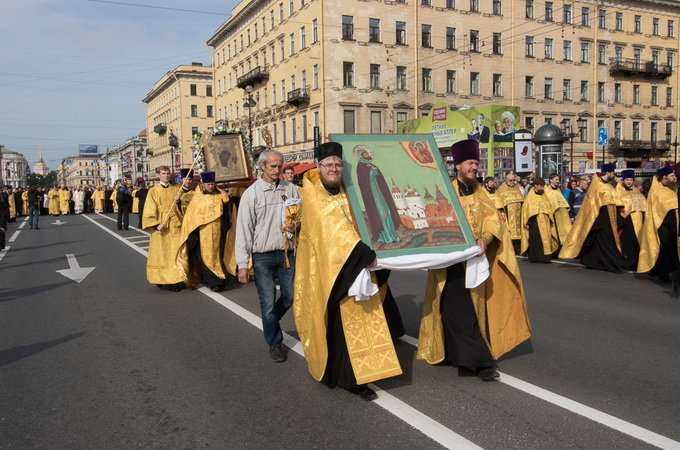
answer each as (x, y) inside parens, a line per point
(58, 222)
(75, 272)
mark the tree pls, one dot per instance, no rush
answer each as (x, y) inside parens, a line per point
(42, 180)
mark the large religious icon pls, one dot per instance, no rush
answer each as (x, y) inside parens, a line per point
(400, 195)
(225, 155)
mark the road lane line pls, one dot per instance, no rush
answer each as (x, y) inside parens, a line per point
(425, 424)
(138, 230)
(14, 236)
(4, 252)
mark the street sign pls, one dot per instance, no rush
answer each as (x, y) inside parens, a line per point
(603, 136)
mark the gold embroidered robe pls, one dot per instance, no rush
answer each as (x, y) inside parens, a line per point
(53, 195)
(511, 200)
(98, 199)
(660, 201)
(499, 301)
(24, 203)
(327, 238)
(64, 197)
(135, 202)
(541, 207)
(160, 207)
(560, 212)
(634, 205)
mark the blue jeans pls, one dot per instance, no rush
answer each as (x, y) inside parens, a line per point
(267, 266)
(33, 211)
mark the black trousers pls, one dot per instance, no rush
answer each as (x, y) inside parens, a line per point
(123, 217)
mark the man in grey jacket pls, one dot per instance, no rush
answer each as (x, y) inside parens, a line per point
(259, 233)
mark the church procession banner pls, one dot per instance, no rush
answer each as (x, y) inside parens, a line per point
(493, 126)
(401, 197)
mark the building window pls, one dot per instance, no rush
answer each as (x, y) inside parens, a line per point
(283, 91)
(401, 117)
(637, 28)
(348, 74)
(529, 9)
(425, 2)
(619, 21)
(427, 80)
(529, 46)
(292, 83)
(637, 61)
(451, 4)
(548, 11)
(375, 76)
(528, 86)
(474, 41)
(497, 48)
(566, 14)
(585, 53)
(655, 96)
(566, 47)
(315, 32)
(426, 35)
(194, 110)
(292, 44)
(566, 89)
(636, 94)
(669, 96)
(670, 58)
(585, 95)
(601, 54)
(669, 129)
(401, 33)
(618, 54)
(618, 95)
(636, 130)
(671, 28)
(655, 59)
(602, 18)
(274, 99)
(600, 91)
(271, 19)
(376, 122)
(374, 30)
(293, 130)
(208, 90)
(654, 131)
(348, 119)
(282, 50)
(284, 138)
(401, 77)
(209, 111)
(194, 131)
(474, 83)
(548, 88)
(192, 89)
(315, 76)
(303, 38)
(618, 130)
(655, 26)
(450, 38)
(450, 81)
(585, 17)
(497, 84)
(474, 5)
(497, 7)
(275, 135)
(548, 48)
(347, 28)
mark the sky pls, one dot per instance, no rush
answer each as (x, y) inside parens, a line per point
(75, 71)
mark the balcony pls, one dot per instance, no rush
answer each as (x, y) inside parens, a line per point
(636, 148)
(297, 96)
(257, 74)
(633, 67)
(160, 129)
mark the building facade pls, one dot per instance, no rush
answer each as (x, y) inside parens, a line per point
(363, 66)
(40, 167)
(83, 171)
(14, 168)
(129, 161)
(180, 105)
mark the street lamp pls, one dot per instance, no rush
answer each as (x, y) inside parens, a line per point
(566, 129)
(174, 143)
(249, 103)
(674, 144)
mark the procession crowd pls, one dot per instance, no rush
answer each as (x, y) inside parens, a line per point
(304, 240)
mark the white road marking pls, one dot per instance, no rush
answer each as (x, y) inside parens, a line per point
(434, 430)
(14, 236)
(4, 252)
(74, 271)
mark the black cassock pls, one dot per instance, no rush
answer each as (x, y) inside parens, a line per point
(668, 261)
(599, 249)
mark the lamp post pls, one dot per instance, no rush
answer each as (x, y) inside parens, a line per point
(674, 144)
(249, 103)
(566, 129)
(174, 143)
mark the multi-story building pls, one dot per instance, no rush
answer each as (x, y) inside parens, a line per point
(362, 66)
(180, 105)
(40, 167)
(82, 171)
(129, 161)
(14, 168)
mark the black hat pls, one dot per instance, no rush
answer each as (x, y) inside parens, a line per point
(628, 173)
(327, 149)
(465, 150)
(184, 173)
(208, 177)
(664, 171)
(609, 167)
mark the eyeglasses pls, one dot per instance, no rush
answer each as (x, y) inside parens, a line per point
(331, 166)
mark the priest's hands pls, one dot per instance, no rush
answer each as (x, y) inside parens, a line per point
(160, 227)
(481, 243)
(243, 275)
(373, 264)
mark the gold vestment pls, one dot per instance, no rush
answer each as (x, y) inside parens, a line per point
(64, 197)
(599, 194)
(327, 238)
(12, 205)
(160, 207)
(53, 195)
(135, 201)
(24, 203)
(499, 301)
(511, 200)
(634, 205)
(660, 202)
(98, 200)
(560, 212)
(541, 207)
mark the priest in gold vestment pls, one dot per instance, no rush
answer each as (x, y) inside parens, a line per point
(53, 205)
(98, 198)
(539, 235)
(201, 257)
(163, 219)
(64, 199)
(347, 343)
(659, 240)
(511, 201)
(633, 214)
(12, 205)
(471, 328)
(595, 237)
(561, 208)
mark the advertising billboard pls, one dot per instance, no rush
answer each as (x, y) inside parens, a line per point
(87, 150)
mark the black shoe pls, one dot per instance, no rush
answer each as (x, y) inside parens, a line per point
(364, 392)
(36, 228)
(126, 229)
(276, 353)
(487, 374)
(31, 228)
(119, 229)
(216, 288)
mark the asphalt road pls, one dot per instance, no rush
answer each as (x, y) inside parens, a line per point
(113, 362)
